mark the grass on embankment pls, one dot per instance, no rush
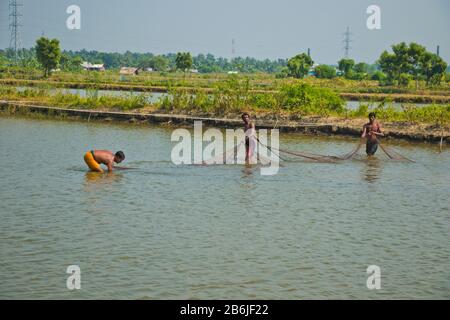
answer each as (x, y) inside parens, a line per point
(421, 96)
(292, 102)
(153, 81)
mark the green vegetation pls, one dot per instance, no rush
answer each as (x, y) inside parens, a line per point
(231, 96)
(91, 101)
(325, 72)
(393, 73)
(412, 62)
(360, 71)
(277, 88)
(346, 65)
(159, 63)
(299, 65)
(48, 54)
(183, 61)
(112, 60)
(71, 64)
(432, 114)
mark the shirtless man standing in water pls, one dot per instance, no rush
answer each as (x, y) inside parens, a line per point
(94, 158)
(371, 130)
(249, 128)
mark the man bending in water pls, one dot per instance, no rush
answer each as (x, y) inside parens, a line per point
(249, 128)
(94, 158)
(370, 131)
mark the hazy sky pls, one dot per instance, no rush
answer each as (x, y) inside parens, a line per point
(261, 28)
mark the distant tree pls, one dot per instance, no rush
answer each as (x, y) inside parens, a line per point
(183, 61)
(378, 76)
(404, 79)
(159, 63)
(358, 72)
(387, 62)
(412, 61)
(299, 65)
(325, 71)
(48, 54)
(415, 55)
(204, 63)
(361, 67)
(283, 73)
(447, 77)
(3, 61)
(69, 63)
(346, 66)
(433, 68)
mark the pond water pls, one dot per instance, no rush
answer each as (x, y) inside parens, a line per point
(163, 231)
(152, 96)
(353, 105)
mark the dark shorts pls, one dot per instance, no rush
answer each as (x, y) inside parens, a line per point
(371, 147)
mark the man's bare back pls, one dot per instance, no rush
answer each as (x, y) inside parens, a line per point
(94, 158)
(105, 157)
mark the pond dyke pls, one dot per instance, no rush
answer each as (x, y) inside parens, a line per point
(440, 98)
(316, 127)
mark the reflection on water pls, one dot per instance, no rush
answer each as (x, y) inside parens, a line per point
(162, 231)
(97, 179)
(248, 169)
(372, 169)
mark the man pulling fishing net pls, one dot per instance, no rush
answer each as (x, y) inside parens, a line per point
(371, 131)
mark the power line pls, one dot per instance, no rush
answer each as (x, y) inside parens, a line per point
(14, 39)
(347, 41)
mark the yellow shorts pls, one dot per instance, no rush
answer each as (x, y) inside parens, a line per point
(91, 163)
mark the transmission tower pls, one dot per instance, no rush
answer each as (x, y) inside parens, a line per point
(347, 41)
(14, 38)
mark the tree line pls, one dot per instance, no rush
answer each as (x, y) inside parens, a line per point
(205, 63)
(405, 64)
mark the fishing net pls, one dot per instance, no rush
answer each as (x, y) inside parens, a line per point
(228, 156)
(357, 153)
(352, 154)
(394, 155)
(287, 155)
(278, 154)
